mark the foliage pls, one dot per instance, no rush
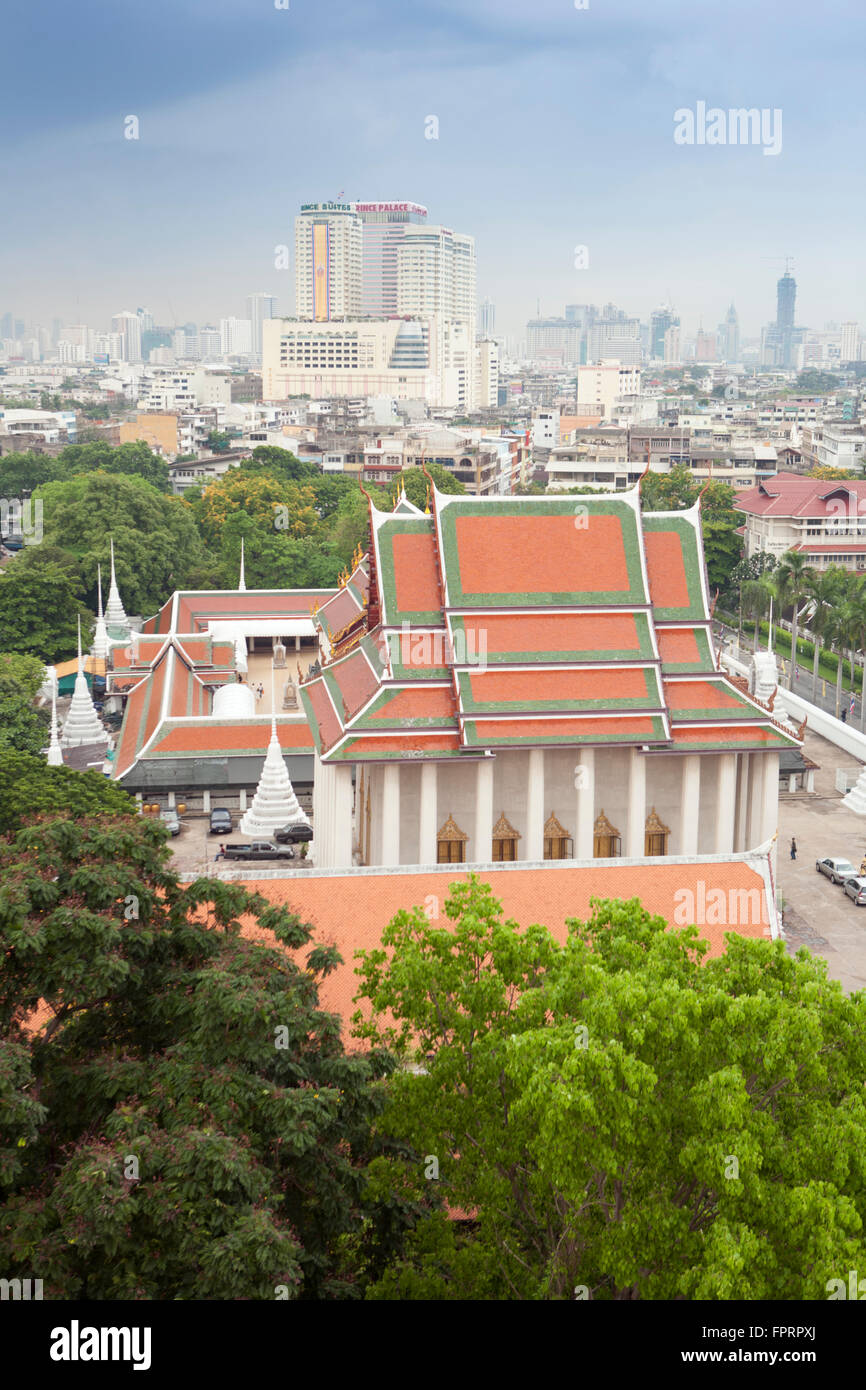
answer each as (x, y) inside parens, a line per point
(155, 538)
(186, 1124)
(32, 788)
(38, 610)
(22, 473)
(815, 383)
(620, 1117)
(21, 725)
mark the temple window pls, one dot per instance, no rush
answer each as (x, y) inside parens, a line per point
(558, 844)
(655, 835)
(607, 841)
(505, 839)
(451, 844)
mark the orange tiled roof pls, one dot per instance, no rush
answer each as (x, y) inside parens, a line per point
(350, 911)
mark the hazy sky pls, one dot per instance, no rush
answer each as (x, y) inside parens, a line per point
(555, 130)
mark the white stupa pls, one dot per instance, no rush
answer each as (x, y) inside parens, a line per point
(242, 583)
(82, 722)
(115, 615)
(55, 752)
(99, 645)
(856, 797)
(274, 803)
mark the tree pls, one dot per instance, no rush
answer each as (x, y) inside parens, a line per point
(155, 538)
(815, 383)
(38, 611)
(32, 788)
(620, 1117)
(416, 484)
(272, 503)
(186, 1124)
(21, 725)
(821, 589)
(792, 584)
(219, 441)
(829, 471)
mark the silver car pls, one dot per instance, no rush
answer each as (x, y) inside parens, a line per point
(837, 870)
(856, 888)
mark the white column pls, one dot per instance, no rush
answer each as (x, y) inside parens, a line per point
(742, 839)
(297, 644)
(584, 776)
(205, 802)
(691, 803)
(243, 798)
(427, 826)
(636, 844)
(756, 800)
(535, 805)
(391, 815)
(726, 797)
(342, 844)
(770, 806)
(171, 801)
(483, 846)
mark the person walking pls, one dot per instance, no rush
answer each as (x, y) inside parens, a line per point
(863, 866)
(844, 715)
(220, 854)
(793, 848)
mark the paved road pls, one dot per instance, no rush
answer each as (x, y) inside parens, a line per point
(826, 698)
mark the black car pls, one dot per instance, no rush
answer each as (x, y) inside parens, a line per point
(220, 821)
(294, 834)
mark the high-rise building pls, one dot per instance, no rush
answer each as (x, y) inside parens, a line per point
(383, 225)
(728, 337)
(672, 349)
(786, 296)
(209, 341)
(486, 319)
(436, 280)
(259, 308)
(146, 320)
(236, 337)
(328, 262)
(129, 326)
(850, 350)
(660, 321)
(705, 347)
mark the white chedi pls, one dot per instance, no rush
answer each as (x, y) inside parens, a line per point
(82, 722)
(274, 804)
(55, 753)
(856, 797)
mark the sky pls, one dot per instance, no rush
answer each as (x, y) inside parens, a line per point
(555, 131)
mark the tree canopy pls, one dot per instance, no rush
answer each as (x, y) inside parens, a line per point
(617, 1117)
(178, 1117)
(22, 726)
(38, 610)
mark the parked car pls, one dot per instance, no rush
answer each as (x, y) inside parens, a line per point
(837, 870)
(259, 849)
(170, 821)
(294, 834)
(221, 822)
(856, 888)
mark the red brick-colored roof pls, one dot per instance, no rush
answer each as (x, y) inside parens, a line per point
(351, 911)
(416, 577)
(666, 569)
(357, 683)
(541, 554)
(212, 736)
(792, 494)
(678, 645)
(594, 633)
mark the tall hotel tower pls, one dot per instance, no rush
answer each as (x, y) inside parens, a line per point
(328, 262)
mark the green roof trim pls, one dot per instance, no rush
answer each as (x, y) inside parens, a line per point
(373, 719)
(651, 700)
(475, 737)
(401, 526)
(705, 663)
(438, 640)
(692, 552)
(644, 651)
(634, 596)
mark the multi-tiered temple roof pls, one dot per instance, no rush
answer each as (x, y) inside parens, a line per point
(495, 623)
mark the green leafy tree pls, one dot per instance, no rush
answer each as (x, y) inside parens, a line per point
(32, 788)
(180, 1119)
(792, 581)
(38, 611)
(618, 1117)
(815, 383)
(156, 541)
(415, 483)
(22, 726)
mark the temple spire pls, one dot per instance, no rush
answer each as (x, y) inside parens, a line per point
(82, 722)
(115, 615)
(55, 753)
(274, 803)
(242, 583)
(99, 647)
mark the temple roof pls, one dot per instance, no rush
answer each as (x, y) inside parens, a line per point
(531, 622)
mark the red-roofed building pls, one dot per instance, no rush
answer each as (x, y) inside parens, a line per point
(531, 679)
(824, 520)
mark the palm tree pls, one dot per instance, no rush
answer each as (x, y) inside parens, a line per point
(755, 600)
(791, 584)
(822, 592)
(857, 584)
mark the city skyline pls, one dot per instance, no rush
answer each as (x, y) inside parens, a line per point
(585, 138)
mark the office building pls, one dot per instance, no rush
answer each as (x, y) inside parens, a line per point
(328, 262)
(259, 308)
(128, 325)
(383, 227)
